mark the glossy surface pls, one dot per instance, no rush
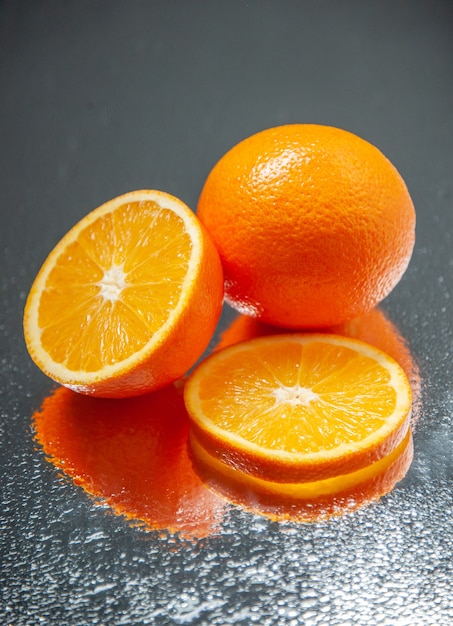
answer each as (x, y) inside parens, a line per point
(101, 98)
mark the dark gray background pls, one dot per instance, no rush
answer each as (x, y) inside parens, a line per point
(99, 98)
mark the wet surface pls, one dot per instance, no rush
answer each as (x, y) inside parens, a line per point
(101, 98)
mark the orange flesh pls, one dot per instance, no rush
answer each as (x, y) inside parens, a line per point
(298, 398)
(117, 294)
(374, 328)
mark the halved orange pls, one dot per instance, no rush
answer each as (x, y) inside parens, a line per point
(298, 408)
(128, 300)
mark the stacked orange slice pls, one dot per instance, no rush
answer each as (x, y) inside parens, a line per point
(304, 414)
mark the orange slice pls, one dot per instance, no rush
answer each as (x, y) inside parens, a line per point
(374, 328)
(128, 300)
(305, 501)
(299, 408)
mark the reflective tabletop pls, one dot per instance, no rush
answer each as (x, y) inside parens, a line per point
(99, 98)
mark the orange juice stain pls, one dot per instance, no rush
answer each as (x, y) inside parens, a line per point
(131, 454)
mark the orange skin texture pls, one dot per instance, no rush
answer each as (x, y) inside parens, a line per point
(313, 225)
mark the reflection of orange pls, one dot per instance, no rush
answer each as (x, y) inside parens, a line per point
(305, 501)
(132, 454)
(373, 328)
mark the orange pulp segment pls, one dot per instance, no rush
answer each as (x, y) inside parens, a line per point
(374, 328)
(129, 298)
(298, 408)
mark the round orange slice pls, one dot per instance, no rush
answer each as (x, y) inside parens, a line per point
(305, 501)
(298, 408)
(128, 300)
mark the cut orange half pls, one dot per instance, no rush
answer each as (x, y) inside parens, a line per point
(298, 408)
(128, 300)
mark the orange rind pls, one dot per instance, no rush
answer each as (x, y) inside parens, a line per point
(128, 300)
(305, 502)
(298, 408)
(313, 224)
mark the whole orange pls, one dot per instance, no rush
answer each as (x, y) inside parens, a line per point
(314, 225)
